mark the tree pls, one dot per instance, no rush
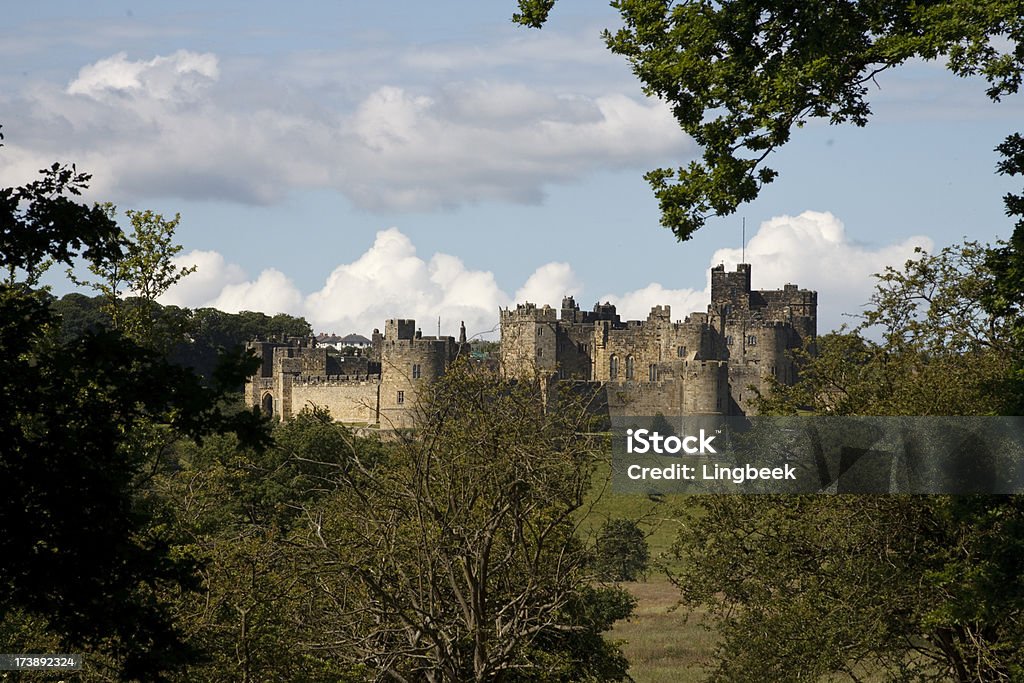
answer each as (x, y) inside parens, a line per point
(144, 269)
(241, 512)
(622, 553)
(926, 345)
(212, 332)
(740, 76)
(80, 549)
(903, 588)
(913, 588)
(1005, 294)
(457, 559)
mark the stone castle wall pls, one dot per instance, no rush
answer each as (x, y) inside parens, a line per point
(349, 400)
(709, 363)
(379, 388)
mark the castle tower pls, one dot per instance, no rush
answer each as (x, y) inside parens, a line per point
(529, 341)
(730, 288)
(705, 388)
(409, 362)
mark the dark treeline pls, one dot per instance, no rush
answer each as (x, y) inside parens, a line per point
(205, 333)
(152, 524)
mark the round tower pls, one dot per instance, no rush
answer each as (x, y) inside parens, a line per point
(705, 387)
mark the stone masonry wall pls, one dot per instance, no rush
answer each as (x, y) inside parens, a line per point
(348, 401)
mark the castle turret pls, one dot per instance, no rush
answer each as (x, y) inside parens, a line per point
(408, 364)
(705, 387)
(529, 341)
(730, 288)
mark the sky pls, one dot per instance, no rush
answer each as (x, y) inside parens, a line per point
(352, 162)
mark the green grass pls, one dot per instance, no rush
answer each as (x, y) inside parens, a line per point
(659, 519)
(662, 643)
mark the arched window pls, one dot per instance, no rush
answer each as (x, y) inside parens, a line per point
(652, 372)
(629, 367)
(613, 368)
(268, 405)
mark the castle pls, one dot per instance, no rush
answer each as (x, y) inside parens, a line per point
(706, 364)
(379, 387)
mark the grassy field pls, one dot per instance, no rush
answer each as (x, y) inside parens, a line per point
(662, 643)
(660, 519)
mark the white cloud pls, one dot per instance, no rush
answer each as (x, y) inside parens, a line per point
(549, 284)
(811, 250)
(636, 305)
(390, 280)
(272, 292)
(203, 286)
(181, 125)
(177, 76)
(814, 251)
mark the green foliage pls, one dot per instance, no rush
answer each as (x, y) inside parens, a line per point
(458, 559)
(912, 588)
(622, 553)
(925, 346)
(243, 512)
(917, 588)
(533, 13)
(740, 76)
(144, 268)
(41, 224)
(79, 437)
(78, 314)
(1005, 295)
(212, 332)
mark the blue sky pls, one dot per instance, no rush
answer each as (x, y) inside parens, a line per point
(353, 161)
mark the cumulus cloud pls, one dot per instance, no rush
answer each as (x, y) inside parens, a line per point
(182, 125)
(213, 273)
(814, 251)
(391, 280)
(637, 304)
(174, 77)
(549, 284)
(272, 292)
(811, 250)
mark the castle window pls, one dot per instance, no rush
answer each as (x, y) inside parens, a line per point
(416, 371)
(613, 368)
(652, 372)
(401, 398)
(629, 367)
(540, 352)
(752, 340)
(728, 340)
(681, 351)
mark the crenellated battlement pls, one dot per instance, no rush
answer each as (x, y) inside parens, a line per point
(701, 364)
(704, 364)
